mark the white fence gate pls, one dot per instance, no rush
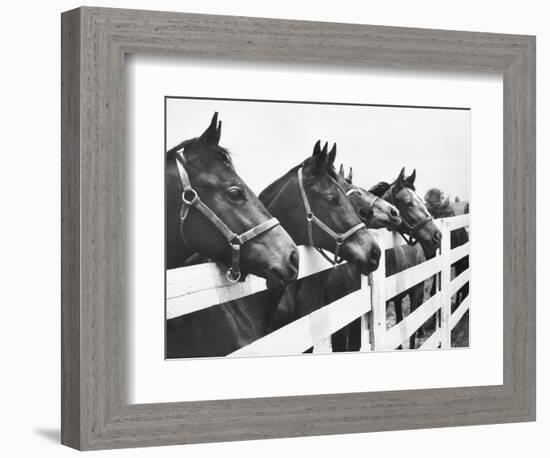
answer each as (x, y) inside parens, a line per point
(194, 288)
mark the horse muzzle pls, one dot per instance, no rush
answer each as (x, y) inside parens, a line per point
(281, 275)
(366, 257)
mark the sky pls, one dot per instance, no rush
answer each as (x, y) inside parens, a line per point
(267, 139)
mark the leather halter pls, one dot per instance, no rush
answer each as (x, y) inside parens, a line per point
(409, 235)
(339, 238)
(190, 198)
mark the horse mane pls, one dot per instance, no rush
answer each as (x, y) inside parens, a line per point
(381, 188)
(269, 193)
(219, 152)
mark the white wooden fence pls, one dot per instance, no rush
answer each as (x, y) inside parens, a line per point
(190, 289)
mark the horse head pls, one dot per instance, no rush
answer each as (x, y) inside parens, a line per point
(211, 211)
(417, 222)
(313, 207)
(375, 212)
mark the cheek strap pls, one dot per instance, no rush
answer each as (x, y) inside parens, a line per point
(339, 238)
(190, 198)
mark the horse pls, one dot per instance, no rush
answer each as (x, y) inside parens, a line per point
(324, 217)
(418, 229)
(327, 286)
(220, 330)
(211, 211)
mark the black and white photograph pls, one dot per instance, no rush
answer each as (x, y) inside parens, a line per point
(301, 227)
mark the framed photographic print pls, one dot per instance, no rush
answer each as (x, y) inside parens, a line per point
(283, 228)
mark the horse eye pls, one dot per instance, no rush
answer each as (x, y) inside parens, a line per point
(410, 204)
(333, 199)
(235, 193)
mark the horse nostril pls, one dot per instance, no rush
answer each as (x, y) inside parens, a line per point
(394, 212)
(373, 263)
(437, 236)
(374, 256)
(295, 259)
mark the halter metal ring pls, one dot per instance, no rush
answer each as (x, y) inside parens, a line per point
(231, 277)
(309, 216)
(235, 241)
(189, 196)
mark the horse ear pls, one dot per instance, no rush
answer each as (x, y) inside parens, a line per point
(324, 150)
(218, 133)
(400, 180)
(317, 148)
(410, 179)
(319, 157)
(401, 177)
(332, 155)
(211, 136)
(350, 175)
(341, 171)
(321, 161)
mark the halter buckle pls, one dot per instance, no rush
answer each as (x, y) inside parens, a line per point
(189, 196)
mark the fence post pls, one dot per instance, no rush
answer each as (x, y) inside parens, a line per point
(323, 346)
(445, 284)
(377, 321)
(365, 319)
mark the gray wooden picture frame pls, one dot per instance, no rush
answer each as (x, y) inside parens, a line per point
(95, 41)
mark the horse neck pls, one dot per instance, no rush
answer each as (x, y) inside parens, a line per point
(281, 203)
(403, 257)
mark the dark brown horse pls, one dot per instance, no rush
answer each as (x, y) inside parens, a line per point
(313, 207)
(315, 291)
(418, 228)
(220, 330)
(209, 210)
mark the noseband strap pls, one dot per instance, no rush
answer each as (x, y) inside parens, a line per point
(339, 238)
(409, 234)
(190, 198)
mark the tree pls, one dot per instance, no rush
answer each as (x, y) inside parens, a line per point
(437, 204)
(457, 200)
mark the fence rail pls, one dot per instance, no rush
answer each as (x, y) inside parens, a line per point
(191, 289)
